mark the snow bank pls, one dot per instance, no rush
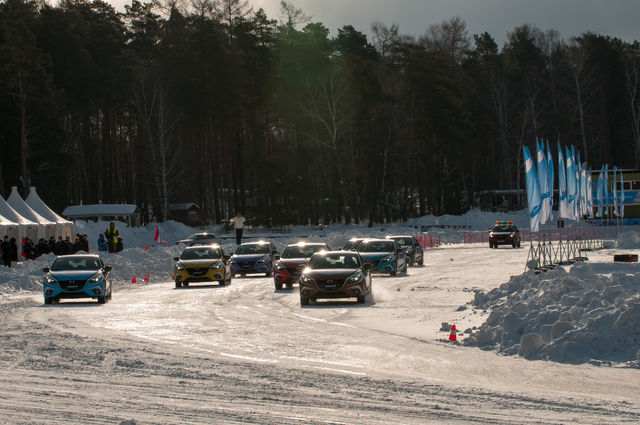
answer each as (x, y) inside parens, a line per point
(589, 314)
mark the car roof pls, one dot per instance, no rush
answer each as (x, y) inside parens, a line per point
(335, 252)
(398, 236)
(203, 234)
(255, 243)
(376, 240)
(78, 256)
(211, 245)
(307, 244)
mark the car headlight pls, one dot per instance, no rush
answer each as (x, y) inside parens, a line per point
(96, 278)
(280, 267)
(216, 265)
(491, 234)
(356, 277)
(304, 279)
(263, 259)
(407, 250)
(180, 266)
(512, 235)
(388, 258)
(50, 279)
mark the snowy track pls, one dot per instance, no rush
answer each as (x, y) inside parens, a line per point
(248, 354)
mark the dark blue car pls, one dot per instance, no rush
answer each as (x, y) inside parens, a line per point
(254, 257)
(77, 276)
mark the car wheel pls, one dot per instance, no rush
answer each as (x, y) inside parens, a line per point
(394, 272)
(361, 299)
(185, 283)
(268, 274)
(289, 285)
(102, 300)
(48, 300)
(421, 261)
(278, 286)
(304, 300)
(221, 282)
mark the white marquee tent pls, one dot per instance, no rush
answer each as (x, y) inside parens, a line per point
(46, 228)
(64, 227)
(9, 228)
(26, 227)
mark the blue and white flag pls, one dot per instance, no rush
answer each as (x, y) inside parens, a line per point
(571, 185)
(550, 174)
(600, 192)
(605, 190)
(621, 195)
(543, 181)
(583, 190)
(615, 191)
(563, 207)
(589, 194)
(533, 191)
(578, 203)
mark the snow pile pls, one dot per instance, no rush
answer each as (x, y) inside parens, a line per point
(591, 313)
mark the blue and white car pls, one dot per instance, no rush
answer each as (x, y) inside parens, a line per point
(77, 276)
(384, 255)
(254, 257)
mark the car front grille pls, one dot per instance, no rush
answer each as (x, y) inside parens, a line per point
(197, 271)
(72, 285)
(330, 284)
(373, 263)
(245, 264)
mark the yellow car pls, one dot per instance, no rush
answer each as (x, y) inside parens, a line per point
(202, 263)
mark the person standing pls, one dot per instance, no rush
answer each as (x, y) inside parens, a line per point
(112, 235)
(6, 251)
(238, 222)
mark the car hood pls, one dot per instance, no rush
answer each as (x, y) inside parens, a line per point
(73, 275)
(248, 257)
(330, 273)
(374, 256)
(200, 263)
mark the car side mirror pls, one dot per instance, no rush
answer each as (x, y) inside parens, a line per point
(176, 258)
(108, 268)
(277, 257)
(367, 266)
(225, 257)
(46, 270)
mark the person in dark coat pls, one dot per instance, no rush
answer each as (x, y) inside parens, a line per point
(60, 246)
(14, 249)
(84, 243)
(6, 252)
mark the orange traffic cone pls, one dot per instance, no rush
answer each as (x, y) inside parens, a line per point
(452, 335)
(133, 279)
(146, 277)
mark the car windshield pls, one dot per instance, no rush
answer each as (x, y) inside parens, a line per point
(77, 263)
(351, 245)
(334, 261)
(403, 241)
(377, 246)
(504, 229)
(204, 253)
(302, 251)
(253, 249)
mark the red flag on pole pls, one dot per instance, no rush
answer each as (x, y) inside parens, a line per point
(157, 235)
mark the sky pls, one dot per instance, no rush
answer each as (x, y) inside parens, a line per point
(616, 18)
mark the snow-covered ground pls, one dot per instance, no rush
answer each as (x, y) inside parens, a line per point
(551, 347)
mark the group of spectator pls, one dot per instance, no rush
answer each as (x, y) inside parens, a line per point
(109, 241)
(31, 250)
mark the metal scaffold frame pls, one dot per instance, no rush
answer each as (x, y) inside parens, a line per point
(543, 255)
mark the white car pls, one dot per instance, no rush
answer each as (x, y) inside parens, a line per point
(200, 239)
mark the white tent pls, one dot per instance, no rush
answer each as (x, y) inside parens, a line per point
(46, 228)
(64, 227)
(26, 227)
(9, 228)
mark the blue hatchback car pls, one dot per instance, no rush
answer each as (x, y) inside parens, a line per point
(384, 255)
(77, 276)
(254, 257)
